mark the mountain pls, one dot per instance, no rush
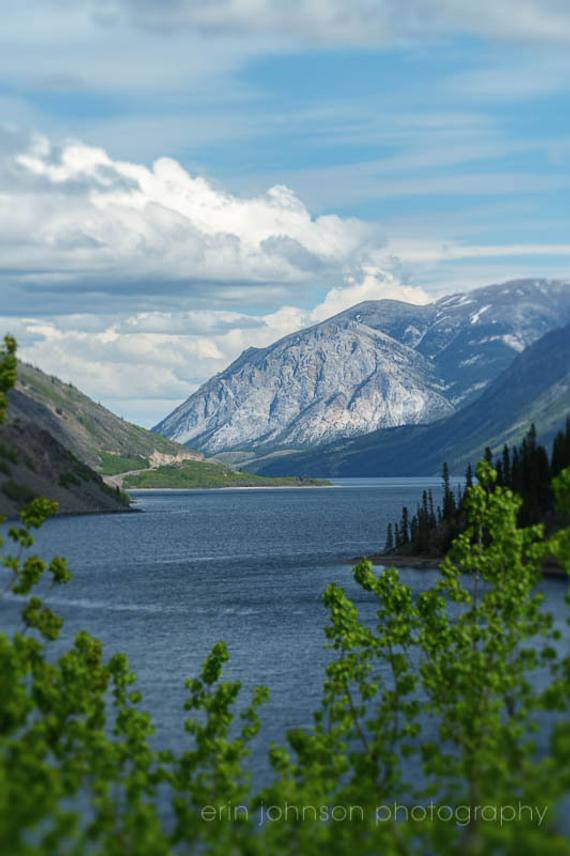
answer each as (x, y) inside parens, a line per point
(379, 365)
(94, 434)
(57, 437)
(328, 381)
(33, 463)
(534, 388)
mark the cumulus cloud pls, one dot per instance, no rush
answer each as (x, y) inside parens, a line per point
(119, 260)
(373, 283)
(73, 218)
(139, 282)
(360, 21)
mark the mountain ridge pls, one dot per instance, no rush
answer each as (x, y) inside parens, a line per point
(62, 445)
(377, 365)
(92, 432)
(534, 388)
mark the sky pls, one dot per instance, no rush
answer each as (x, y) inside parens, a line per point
(183, 179)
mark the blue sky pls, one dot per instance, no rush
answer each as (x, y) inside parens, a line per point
(415, 148)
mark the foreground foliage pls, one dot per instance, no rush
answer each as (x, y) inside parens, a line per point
(453, 705)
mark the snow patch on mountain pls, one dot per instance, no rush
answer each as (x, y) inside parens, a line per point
(477, 315)
(513, 342)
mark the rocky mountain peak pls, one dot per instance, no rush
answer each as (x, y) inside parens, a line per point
(381, 363)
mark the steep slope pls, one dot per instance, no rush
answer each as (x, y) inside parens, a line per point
(54, 429)
(472, 337)
(534, 388)
(377, 365)
(332, 379)
(94, 434)
(33, 463)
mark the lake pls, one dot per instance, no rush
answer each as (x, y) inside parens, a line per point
(246, 566)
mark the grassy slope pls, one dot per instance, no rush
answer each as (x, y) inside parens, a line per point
(111, 445)
(82, 425)
(112, 465)
(198, 474)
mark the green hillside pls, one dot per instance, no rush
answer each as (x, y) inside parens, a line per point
(33, 464)
(125, 454)
(207, 474)
(96, 436)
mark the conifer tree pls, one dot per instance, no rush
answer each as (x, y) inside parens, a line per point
(448, 510)
(432, 516)
(404, 526)
(506, 464)
(389, 546)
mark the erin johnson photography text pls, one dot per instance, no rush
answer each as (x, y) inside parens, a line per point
(461, 815)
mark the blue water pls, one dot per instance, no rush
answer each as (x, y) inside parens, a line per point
(245, 566)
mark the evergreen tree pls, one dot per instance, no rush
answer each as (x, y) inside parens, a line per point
(526, 469)
(405, 526)
(561, 450)
(506, 464)
(516, 473)
(432, 516)
(448, 510)
(389, 546)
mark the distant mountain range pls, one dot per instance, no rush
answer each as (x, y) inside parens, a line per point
(379, 365)
(534, 388)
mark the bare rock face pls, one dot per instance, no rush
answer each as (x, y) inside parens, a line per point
(377, 365)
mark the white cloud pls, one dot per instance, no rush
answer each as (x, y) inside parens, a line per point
(155, 245)
(359, 182)
(425, 251)
(73, 218)
(140, 282)
(360, 21)
(70, 50)
(373, 283)
(526, 77)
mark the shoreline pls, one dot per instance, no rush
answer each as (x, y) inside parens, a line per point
(229, 487)
(430, 563)
(419, 563)
(89, 512)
